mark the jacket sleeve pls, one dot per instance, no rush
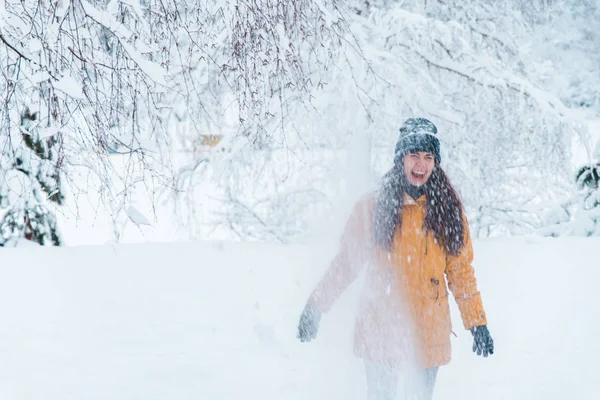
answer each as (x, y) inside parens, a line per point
(353, 253)
(463, 285)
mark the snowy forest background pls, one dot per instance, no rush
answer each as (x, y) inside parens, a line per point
(265, 120)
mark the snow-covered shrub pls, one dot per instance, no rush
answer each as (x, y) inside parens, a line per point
(579, 215)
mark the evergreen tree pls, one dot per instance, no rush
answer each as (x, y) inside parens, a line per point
(588, 179)
(31, 182)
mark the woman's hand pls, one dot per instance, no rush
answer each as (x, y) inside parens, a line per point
(309, 323)
(483, 344)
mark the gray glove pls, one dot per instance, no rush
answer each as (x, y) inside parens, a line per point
(483, 344)
(309, 323)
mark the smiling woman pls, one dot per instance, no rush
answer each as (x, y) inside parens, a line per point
(414, 239)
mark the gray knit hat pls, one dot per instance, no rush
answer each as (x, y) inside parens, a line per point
(417, 134)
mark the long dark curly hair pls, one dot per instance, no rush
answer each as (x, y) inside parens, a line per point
(444, 218)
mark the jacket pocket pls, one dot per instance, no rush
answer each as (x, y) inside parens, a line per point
(437, 289)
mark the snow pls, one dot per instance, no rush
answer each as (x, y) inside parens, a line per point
(137, 217)
(217, 320)
(153, 70)
(106, 19)
(40, 76)
(585, 144)
(135, 6)
(61, 8)
(48, 132)
(329, 18)
(284, 43)
(35, 45)
(156, 317)
(69, 86)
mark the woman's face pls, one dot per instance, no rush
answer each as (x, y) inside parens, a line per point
(418, 167)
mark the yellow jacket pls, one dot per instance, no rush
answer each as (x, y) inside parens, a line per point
(404, 315)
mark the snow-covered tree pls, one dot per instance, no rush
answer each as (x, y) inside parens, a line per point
(465, 65)
(566, 36)
(125, 77)
(31, 182)
(255, 114)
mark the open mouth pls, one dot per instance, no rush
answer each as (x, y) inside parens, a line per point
(418, 178)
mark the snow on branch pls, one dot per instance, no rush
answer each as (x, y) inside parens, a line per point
(420, 34)
(154, 71)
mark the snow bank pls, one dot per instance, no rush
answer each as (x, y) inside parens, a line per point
(218, 321)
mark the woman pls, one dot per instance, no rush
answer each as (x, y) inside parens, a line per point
(414, 238)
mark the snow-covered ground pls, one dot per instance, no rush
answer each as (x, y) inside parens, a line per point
(217, 321)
